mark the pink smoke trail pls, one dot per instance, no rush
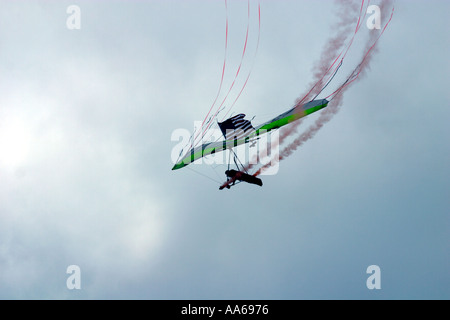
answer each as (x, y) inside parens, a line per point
(337, 99)
(334, 49)
(346, 11)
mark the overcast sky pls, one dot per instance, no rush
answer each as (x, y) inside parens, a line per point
(86, 118)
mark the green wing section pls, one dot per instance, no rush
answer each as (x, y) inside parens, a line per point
(278, 122)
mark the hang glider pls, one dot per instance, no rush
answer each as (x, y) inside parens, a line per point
(238, 131)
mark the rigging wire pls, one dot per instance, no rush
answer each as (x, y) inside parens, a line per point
(204, 175)
(335, 72)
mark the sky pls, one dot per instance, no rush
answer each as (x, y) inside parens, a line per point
(86, 123)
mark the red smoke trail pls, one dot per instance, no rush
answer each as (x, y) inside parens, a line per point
(358, 26)
(337, 99)
(333, 50)
(361, 67)
(346, 12)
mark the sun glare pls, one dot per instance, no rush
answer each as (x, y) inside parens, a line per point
(15, 140)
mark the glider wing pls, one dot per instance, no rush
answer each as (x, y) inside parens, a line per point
(250, 133)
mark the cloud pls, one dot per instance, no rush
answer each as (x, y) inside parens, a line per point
(85, 124)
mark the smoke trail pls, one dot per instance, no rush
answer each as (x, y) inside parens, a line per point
(346, 10)
(337, 100)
